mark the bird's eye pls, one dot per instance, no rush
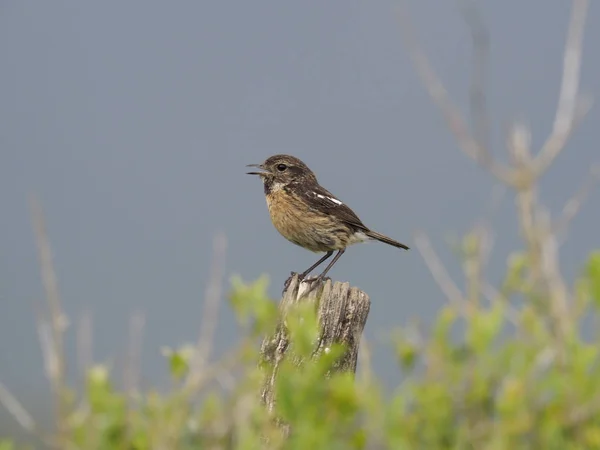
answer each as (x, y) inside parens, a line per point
(281, 167)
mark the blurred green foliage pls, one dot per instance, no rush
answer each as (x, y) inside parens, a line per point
(494, 376)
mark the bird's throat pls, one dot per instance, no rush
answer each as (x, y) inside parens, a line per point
(268, 185)
(271, 185)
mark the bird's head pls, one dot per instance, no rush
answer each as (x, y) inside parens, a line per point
(280, 170)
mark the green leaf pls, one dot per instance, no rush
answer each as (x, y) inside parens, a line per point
(517, 267)
(249, 300)
(407, 353)
(485, 326)
(179, 360)
(445, 319)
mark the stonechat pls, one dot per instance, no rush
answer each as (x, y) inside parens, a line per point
(309, 215)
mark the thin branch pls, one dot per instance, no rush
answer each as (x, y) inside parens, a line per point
(454, 118)
(557, 290)
(84, 343)
(198, 379)
(16, 409)
(44, 331)
(56, 363)
(57, 318)
(519, 148)
(486, 243)
(132, 368)
(574, 204)
(493, 295)
(210, 310)
(438, 271)
(481, 48)
(474, 263)
(569, 106)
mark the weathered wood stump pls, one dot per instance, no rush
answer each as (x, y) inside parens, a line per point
(342, 312)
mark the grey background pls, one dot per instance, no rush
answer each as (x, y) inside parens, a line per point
(133, 121)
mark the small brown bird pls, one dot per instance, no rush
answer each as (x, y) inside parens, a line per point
(309, 215)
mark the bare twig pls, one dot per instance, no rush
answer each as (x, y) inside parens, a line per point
(474, 263)
(556, 287)
(484, 227)
(132, 368)
(210, 310)
(568, 103)
(525, 168)
(438, 271)
(519, 149)
(493, 295)
(454, 118)
(481, 46)
(226, 380)
(45, 337)
(16, 409)
(56, 363)
(84, 343)
(196, 380)
(486, 242)
(574, 204)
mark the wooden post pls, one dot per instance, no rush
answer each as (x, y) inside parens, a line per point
(342, 314)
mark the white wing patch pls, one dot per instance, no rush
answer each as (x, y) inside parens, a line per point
(331, 199)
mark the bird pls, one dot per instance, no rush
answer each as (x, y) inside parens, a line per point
(308, 215)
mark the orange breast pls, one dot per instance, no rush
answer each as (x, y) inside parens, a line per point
(304, 227)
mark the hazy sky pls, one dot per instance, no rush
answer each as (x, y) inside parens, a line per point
(133, 122)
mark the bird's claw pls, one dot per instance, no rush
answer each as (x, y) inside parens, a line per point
(287, 282)
(319, 280)
(313, 282)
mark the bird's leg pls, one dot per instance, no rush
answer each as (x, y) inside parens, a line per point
(330, 265)
(303, 275)
(315, 265)
(317, 281)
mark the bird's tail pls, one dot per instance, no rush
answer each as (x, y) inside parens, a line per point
(385, 239)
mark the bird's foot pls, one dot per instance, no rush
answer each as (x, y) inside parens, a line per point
(319, 280)
(301, 276)
(314, 283)
(287, 282)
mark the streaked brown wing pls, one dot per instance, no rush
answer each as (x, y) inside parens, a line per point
(320, 199)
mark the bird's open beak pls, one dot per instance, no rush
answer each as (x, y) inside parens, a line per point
(260, 166)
